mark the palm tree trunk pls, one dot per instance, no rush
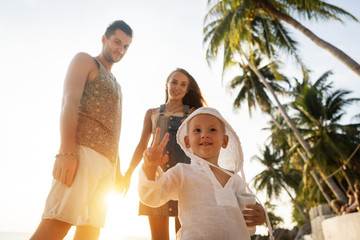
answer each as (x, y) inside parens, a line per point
(339, 194)
(312, 172)
(288, 121)
(347, 177)
(340, 55)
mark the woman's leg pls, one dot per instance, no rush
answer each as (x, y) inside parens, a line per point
(159, 226)
(88, 233)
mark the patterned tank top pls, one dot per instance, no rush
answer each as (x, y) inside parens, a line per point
(100, 112)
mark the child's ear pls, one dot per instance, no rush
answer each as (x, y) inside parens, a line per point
(225, 141)
(186, 140)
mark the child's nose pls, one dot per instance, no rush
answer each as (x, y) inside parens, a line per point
(204, 134)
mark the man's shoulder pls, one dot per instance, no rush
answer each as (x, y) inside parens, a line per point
(84, 61)
(84, 58)
(83, 55)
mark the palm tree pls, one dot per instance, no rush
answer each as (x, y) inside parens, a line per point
(230, 30)
(319, 112)
(273, 178)
(252, 90)
(221, 32)
(282, 139)
(239, 14)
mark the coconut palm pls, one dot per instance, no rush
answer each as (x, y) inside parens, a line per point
(282, 139)
(274, 178)
(239, 15)
(231, 31)
(221, 32)
(319, 112)
(252, 90)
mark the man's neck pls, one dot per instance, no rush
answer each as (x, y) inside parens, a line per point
(107, 65)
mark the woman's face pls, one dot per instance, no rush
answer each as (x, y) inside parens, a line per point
(177, 86)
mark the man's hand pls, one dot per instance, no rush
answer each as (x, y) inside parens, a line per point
(65, 168)
(255, 216)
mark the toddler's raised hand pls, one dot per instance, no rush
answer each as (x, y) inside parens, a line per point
(153, 155)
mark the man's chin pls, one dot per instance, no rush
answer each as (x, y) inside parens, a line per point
(116, 60)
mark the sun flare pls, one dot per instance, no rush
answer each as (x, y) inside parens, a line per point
(122, 221)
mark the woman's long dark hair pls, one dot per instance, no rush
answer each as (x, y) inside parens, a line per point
(193, 98)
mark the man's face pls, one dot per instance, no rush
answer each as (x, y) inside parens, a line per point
(206, 136)
(116, 46)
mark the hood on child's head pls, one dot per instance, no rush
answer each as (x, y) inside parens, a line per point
(231, 157)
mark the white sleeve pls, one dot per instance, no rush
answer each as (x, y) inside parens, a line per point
(244, 195)
(158, 192)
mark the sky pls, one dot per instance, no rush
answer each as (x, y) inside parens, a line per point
(39, 39)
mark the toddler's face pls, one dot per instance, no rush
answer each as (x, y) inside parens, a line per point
(206, 136)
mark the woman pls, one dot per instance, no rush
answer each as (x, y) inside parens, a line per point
(182, 96)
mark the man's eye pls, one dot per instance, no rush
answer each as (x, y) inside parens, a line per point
(213, 129)
(197, 130)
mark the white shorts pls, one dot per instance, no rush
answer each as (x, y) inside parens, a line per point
(84, 202)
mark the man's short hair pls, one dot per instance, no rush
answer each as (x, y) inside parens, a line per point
(121, 25)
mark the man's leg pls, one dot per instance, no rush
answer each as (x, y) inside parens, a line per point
(88, 233)
(51, 229)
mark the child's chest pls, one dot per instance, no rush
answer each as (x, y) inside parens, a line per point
(206, 188)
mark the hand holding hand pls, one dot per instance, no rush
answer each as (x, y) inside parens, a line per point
(125, 183)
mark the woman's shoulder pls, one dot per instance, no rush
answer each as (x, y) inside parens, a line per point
(152, 111)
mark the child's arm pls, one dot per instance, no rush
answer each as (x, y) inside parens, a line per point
(156, 192)
(255, 216)
(153, 156)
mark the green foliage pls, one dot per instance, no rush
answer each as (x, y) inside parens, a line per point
(274, 219)
(296, 216)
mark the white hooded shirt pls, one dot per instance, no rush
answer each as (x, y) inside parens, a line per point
(207, 210)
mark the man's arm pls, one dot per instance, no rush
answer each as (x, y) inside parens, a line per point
(78, 73)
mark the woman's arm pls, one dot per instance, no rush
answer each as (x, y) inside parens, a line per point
(138, 153)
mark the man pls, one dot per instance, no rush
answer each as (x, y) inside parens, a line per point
(87, 162)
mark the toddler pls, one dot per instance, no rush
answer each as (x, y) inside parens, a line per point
(209, 191)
